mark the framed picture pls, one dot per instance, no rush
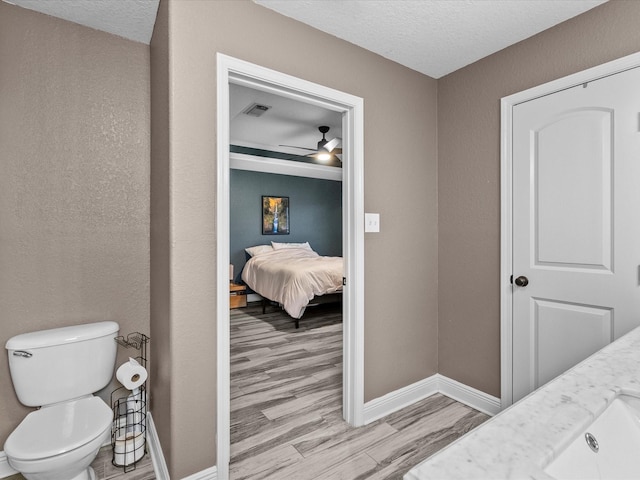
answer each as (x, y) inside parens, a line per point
(275, 215)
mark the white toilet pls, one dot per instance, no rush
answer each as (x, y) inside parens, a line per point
(59, 370)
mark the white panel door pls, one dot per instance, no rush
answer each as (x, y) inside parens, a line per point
(576, 225)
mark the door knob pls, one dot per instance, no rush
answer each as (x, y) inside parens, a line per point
(522, 281)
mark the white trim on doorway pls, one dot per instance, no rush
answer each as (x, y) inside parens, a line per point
(506, 234)
(237, 71)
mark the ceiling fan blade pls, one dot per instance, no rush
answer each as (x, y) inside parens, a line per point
(331, 144)
(301, 148)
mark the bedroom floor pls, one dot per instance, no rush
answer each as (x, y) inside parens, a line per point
(286, 402)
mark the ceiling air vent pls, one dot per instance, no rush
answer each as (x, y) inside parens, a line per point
(256, 110)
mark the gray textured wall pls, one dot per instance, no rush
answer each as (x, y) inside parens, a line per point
(315, 212)
(74, 187)
(469, 176)
(400, 183)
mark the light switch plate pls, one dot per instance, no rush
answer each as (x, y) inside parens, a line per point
(371, 222)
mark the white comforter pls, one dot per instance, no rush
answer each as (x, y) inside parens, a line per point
(293, 276)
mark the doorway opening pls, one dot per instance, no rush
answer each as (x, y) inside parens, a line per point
(238, 72)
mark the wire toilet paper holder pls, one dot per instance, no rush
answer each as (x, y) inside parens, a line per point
(129, 427)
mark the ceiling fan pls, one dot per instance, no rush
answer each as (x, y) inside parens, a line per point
(327, 149)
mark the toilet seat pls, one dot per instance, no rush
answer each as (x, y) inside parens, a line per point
(58, 429)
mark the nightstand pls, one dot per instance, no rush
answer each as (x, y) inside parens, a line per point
(237, 295)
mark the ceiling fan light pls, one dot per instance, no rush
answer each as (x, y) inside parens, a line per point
(323, 156)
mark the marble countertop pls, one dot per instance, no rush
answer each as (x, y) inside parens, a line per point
(523, 439)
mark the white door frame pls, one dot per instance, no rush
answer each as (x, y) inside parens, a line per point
(240, 72)
(506, 202)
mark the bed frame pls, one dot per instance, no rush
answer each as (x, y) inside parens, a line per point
(315, 301)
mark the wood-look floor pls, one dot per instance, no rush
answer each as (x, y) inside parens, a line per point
(286, 406)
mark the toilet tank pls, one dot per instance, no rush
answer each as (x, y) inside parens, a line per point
(51, 366)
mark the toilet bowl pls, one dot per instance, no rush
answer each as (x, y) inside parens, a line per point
(59, 442)
(59, 370)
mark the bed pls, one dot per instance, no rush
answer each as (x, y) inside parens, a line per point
(292, 275)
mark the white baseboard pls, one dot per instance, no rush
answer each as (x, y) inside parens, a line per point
(159, 463)
(468, 395)
(398, 399)
(208, 474)
(5, 468)
(403, 397)
(155, 450)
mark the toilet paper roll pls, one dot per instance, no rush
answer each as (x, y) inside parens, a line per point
(129, 448)
(136, 408)
(131, 374)
(137, 401)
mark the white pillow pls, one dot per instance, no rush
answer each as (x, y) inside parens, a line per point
(258, 250)
(281, 246)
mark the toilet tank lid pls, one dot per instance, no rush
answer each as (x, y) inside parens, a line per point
(59, 336)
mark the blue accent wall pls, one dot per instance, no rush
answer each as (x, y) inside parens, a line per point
(315, 213)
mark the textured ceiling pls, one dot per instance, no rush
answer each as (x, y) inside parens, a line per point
(289, 122)
(132, 19)
(434, 37)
